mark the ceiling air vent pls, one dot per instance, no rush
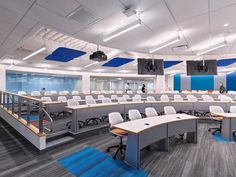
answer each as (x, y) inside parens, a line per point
(180, 48)
(83, 16)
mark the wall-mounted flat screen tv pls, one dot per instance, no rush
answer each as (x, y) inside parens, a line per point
(203, 67)
(150, 66)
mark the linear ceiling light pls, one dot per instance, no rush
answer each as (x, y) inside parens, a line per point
(34, 53)
(123, 30)
(165, 45)
(86, 66)
(214, 48)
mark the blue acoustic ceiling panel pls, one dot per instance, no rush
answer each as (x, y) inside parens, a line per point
(168, 64)
(63, 54)
(226, 62)
(117, 62)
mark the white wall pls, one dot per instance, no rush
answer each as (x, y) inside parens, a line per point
(2, 78)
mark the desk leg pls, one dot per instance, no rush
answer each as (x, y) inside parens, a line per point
(74, 122)
(192, 137)
(163, 144)
(132, 153)
(226, 129)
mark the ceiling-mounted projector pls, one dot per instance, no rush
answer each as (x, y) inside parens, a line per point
(98, 56)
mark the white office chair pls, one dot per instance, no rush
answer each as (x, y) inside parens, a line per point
(231, 92)
(126, 97)
(134, 114)
(100, 97)
(207, 98)
(61, 93)
(129, 92)
(114, 97)
(226, 98)
(192, 98)
(48, 93)
(213, 110)
(73, 102)
(150, 112)
(178, 98)
(62, 99)
(21, 93)
(106, 100)
(139, 92)
(90, 101)
(150, 98)
(75, 92)
(88, 97)
(35, 93)
(116, 118)
(122, 100)
(77, 98)
(168, 110)
(232, 109)
(164, 98)
(53, 92)
(150, 92)
(175, 91)
(137, 98)
(215, 92)
(119, 92)
(46, 99)
(111, 91)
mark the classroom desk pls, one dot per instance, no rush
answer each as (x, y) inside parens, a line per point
(143, 132)
(228, 125)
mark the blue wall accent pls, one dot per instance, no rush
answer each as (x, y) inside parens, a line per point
(177, 82)
(19, 81)
(231, 81)
(202, 82)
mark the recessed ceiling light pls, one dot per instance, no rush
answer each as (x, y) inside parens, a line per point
(124, 71)
(226, 24)
(99, 70)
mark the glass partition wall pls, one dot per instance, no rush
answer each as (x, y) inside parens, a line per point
(112, 83)
(28, 82)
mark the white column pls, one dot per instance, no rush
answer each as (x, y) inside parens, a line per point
(86, 83)
(160, 84)
(2, 79)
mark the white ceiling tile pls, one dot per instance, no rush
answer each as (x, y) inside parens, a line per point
(19, 6)
(217, 4)
(184, 9)
(60, 7)
(9, 16)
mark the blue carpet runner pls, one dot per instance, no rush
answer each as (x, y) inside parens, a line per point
(90, 162)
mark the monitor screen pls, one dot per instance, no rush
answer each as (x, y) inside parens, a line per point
(206, 67)
(150, 66)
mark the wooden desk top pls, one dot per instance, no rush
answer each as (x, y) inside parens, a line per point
(226, 115)
(137, 126)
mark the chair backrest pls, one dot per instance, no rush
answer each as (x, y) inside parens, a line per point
(137, 98)
(150, 92)
(114, 97)
(90, 101)
(215, 92)
(126, 96)
(232, 109)
(122, 100)
(134, 114)
(88, 97)
(62, 98)
(129, 92)
(72, 102)
(231, 92)
(100, 97)
(176, 91)
(150, 98)
(169, 110)
(35, 93)
(164, 98)
(178, 98)
(21, 93)
(111, 91)
(119, 92)
(62, 93)
(77, 98)
(207, 98)
(139, 92)
(106, 100)
(46, 99)
(216, 109)
(48, 93)
(150, 112)
(115, 118)
(191, 98)
(226, 98)
(53, 92)
(75, 92)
